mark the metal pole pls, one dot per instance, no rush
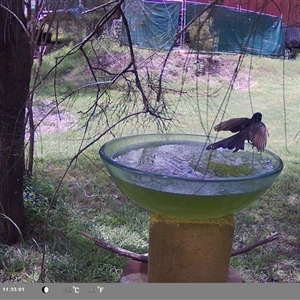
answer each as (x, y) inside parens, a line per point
(183, 22)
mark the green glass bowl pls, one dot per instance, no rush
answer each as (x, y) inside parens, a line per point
(181, 196)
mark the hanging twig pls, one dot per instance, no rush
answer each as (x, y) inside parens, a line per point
(144, 257)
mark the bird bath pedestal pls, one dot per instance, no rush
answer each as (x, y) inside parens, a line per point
(192, 195)
(189, 250)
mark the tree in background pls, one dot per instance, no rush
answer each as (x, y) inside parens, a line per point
(15, 66)
(19, 23)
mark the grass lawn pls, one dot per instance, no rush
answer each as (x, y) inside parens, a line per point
(89, 201)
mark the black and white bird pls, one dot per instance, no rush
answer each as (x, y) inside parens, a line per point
(252, 130)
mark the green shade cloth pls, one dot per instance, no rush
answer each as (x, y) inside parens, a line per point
(248, 32)
(155, 24)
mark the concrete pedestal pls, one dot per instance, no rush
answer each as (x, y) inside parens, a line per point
(189, 251)
(137, 272)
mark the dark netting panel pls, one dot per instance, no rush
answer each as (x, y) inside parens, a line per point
(154, 24)
(248, 32)
(151, 24)
(193, 10)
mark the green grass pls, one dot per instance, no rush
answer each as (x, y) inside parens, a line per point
(89, 204)
(89, 201)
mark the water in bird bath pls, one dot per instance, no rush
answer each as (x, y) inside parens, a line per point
(179, 178)
(189, 160)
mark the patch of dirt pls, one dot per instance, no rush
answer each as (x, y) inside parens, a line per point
(180, 63)
(49, 119)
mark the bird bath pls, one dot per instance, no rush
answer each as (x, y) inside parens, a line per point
(192, 195)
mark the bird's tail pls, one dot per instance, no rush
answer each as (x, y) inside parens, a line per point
(235, 142)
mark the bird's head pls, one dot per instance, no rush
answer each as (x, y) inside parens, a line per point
(257, 117)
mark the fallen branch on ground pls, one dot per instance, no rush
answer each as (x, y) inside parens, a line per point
(116, 249)
(268, 239)
(144, 257)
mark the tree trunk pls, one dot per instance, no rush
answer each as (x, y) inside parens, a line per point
(15, 69)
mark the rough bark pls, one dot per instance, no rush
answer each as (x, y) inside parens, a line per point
(15, 69)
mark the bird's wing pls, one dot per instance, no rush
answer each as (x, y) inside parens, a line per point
(235, 142)
(233, 125)
(258, 135)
